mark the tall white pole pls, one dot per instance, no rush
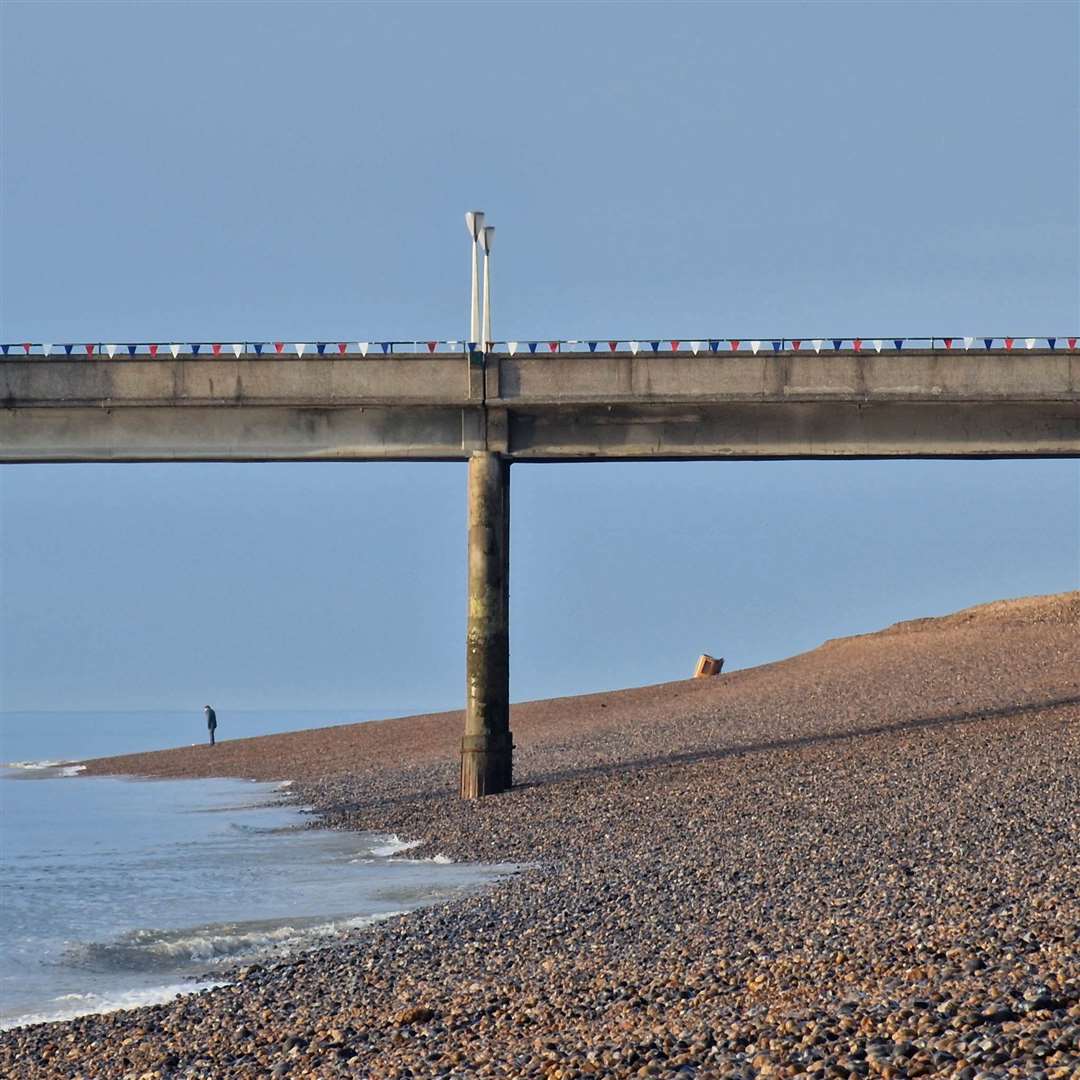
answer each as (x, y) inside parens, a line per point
(474, 223)
(488, 237)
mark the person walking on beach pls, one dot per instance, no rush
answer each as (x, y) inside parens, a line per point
(211, 722)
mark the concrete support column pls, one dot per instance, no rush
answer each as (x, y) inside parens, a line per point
(487, 748)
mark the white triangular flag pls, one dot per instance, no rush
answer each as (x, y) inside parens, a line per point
(968, 342)
(818, 342)
(237, 349)
(1029, 342)
(174, 349)
(299, 346)
(451, 344)
(512, 347)
(111, 350)
(571, 341)
(754, 346)
(695, 347)
(877, 344)
(634, 346)
(364, 345)
(46, 349)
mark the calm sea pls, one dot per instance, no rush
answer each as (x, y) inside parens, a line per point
(118, 892)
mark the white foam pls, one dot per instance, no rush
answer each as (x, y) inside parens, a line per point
(61, 768)
(285, 784)
(94, 1003)
(395, 846)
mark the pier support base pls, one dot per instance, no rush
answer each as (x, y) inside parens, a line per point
(487, 748)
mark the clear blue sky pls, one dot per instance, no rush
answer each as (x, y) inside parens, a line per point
(299, 171)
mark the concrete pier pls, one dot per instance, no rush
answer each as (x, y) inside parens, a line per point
(487, 747)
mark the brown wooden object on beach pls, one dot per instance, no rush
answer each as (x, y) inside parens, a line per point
(487, 748)
(707, 666)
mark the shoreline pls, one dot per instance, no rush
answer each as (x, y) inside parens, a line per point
(860, 859)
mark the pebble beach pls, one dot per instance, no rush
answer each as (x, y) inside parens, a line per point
(858, 862)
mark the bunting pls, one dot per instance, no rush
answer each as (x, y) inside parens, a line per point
(567, 345)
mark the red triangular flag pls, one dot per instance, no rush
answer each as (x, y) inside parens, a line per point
(26, 347)
(613, 345)
(153, 349)
(431, 346)
(734, 344)
(553, 346)
(856, 344)
(215, 349)
(1072, 343)
(89, 350)
(675, 346)
(342, 346)
(1008, 343)
(948, 342)
(796, 343)
(278, 346)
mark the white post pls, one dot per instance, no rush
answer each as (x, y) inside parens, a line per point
(488, 236)
(474, 223)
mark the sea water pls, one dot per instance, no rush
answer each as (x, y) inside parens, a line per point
(116, 892)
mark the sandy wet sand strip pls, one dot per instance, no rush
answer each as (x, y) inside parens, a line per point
(858, 862)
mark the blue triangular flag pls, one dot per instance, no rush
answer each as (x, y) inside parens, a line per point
(131, 349)
(386, 345)
(320, 347)
(655, 346)
(67, 349)
(898, 342)
(714, 345)
(532, 346)
(776, 346)
(989, 341)
(5, 348)
(195, 350)
(472, 346)
(592, 346)
(837, 342)
(1051, 341)
(257, 346)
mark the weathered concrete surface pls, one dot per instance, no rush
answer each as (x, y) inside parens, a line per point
(542, 408)
(487, 747)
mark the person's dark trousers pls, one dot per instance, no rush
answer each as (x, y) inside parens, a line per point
(211, 736)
